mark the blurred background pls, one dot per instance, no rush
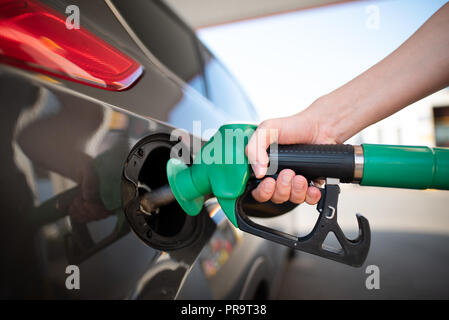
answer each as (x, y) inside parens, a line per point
(286, 54)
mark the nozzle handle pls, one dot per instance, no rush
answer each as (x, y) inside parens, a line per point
(315, 161)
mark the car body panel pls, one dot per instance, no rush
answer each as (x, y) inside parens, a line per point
(61, 137)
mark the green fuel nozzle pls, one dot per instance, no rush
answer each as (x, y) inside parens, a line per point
(221, 169)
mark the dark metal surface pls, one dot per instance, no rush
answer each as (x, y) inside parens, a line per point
(64, 146)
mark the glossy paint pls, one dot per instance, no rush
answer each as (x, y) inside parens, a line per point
(63, 148)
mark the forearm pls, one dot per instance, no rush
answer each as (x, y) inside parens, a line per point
(419, 67)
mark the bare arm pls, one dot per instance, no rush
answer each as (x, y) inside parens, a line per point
(419, 67)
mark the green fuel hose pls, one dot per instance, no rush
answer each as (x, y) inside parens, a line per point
(405, 167)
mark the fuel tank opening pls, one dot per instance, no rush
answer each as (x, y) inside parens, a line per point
(166, 220)
(151, 201)
(154, 215)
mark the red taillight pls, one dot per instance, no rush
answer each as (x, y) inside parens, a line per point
(33, 36)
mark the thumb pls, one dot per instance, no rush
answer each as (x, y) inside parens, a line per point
(267, 133)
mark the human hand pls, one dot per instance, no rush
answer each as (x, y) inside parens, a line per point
(306, 127)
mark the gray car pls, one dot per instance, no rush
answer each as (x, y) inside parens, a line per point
(78, 107)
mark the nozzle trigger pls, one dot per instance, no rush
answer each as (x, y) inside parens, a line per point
(352, 252)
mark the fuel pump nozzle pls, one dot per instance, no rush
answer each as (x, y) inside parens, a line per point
(229, 178)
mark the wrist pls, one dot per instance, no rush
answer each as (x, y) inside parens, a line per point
(334, 119)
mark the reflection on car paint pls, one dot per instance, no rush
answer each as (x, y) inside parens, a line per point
(217, 252)
(70, 152)
(60, 141)
(209, 120)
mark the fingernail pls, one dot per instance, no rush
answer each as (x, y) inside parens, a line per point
(286, 179)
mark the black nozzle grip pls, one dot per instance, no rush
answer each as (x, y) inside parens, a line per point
(315, 161)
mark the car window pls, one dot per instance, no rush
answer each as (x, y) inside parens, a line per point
(178, 48)
(166, 37)
(224, 91)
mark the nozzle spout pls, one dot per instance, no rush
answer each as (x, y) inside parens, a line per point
(151, 201)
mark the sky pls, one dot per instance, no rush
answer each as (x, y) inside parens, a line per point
(285, 62)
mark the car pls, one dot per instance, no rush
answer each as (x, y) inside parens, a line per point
(90, 94)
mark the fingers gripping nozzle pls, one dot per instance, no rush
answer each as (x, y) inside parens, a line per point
(221, 169)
